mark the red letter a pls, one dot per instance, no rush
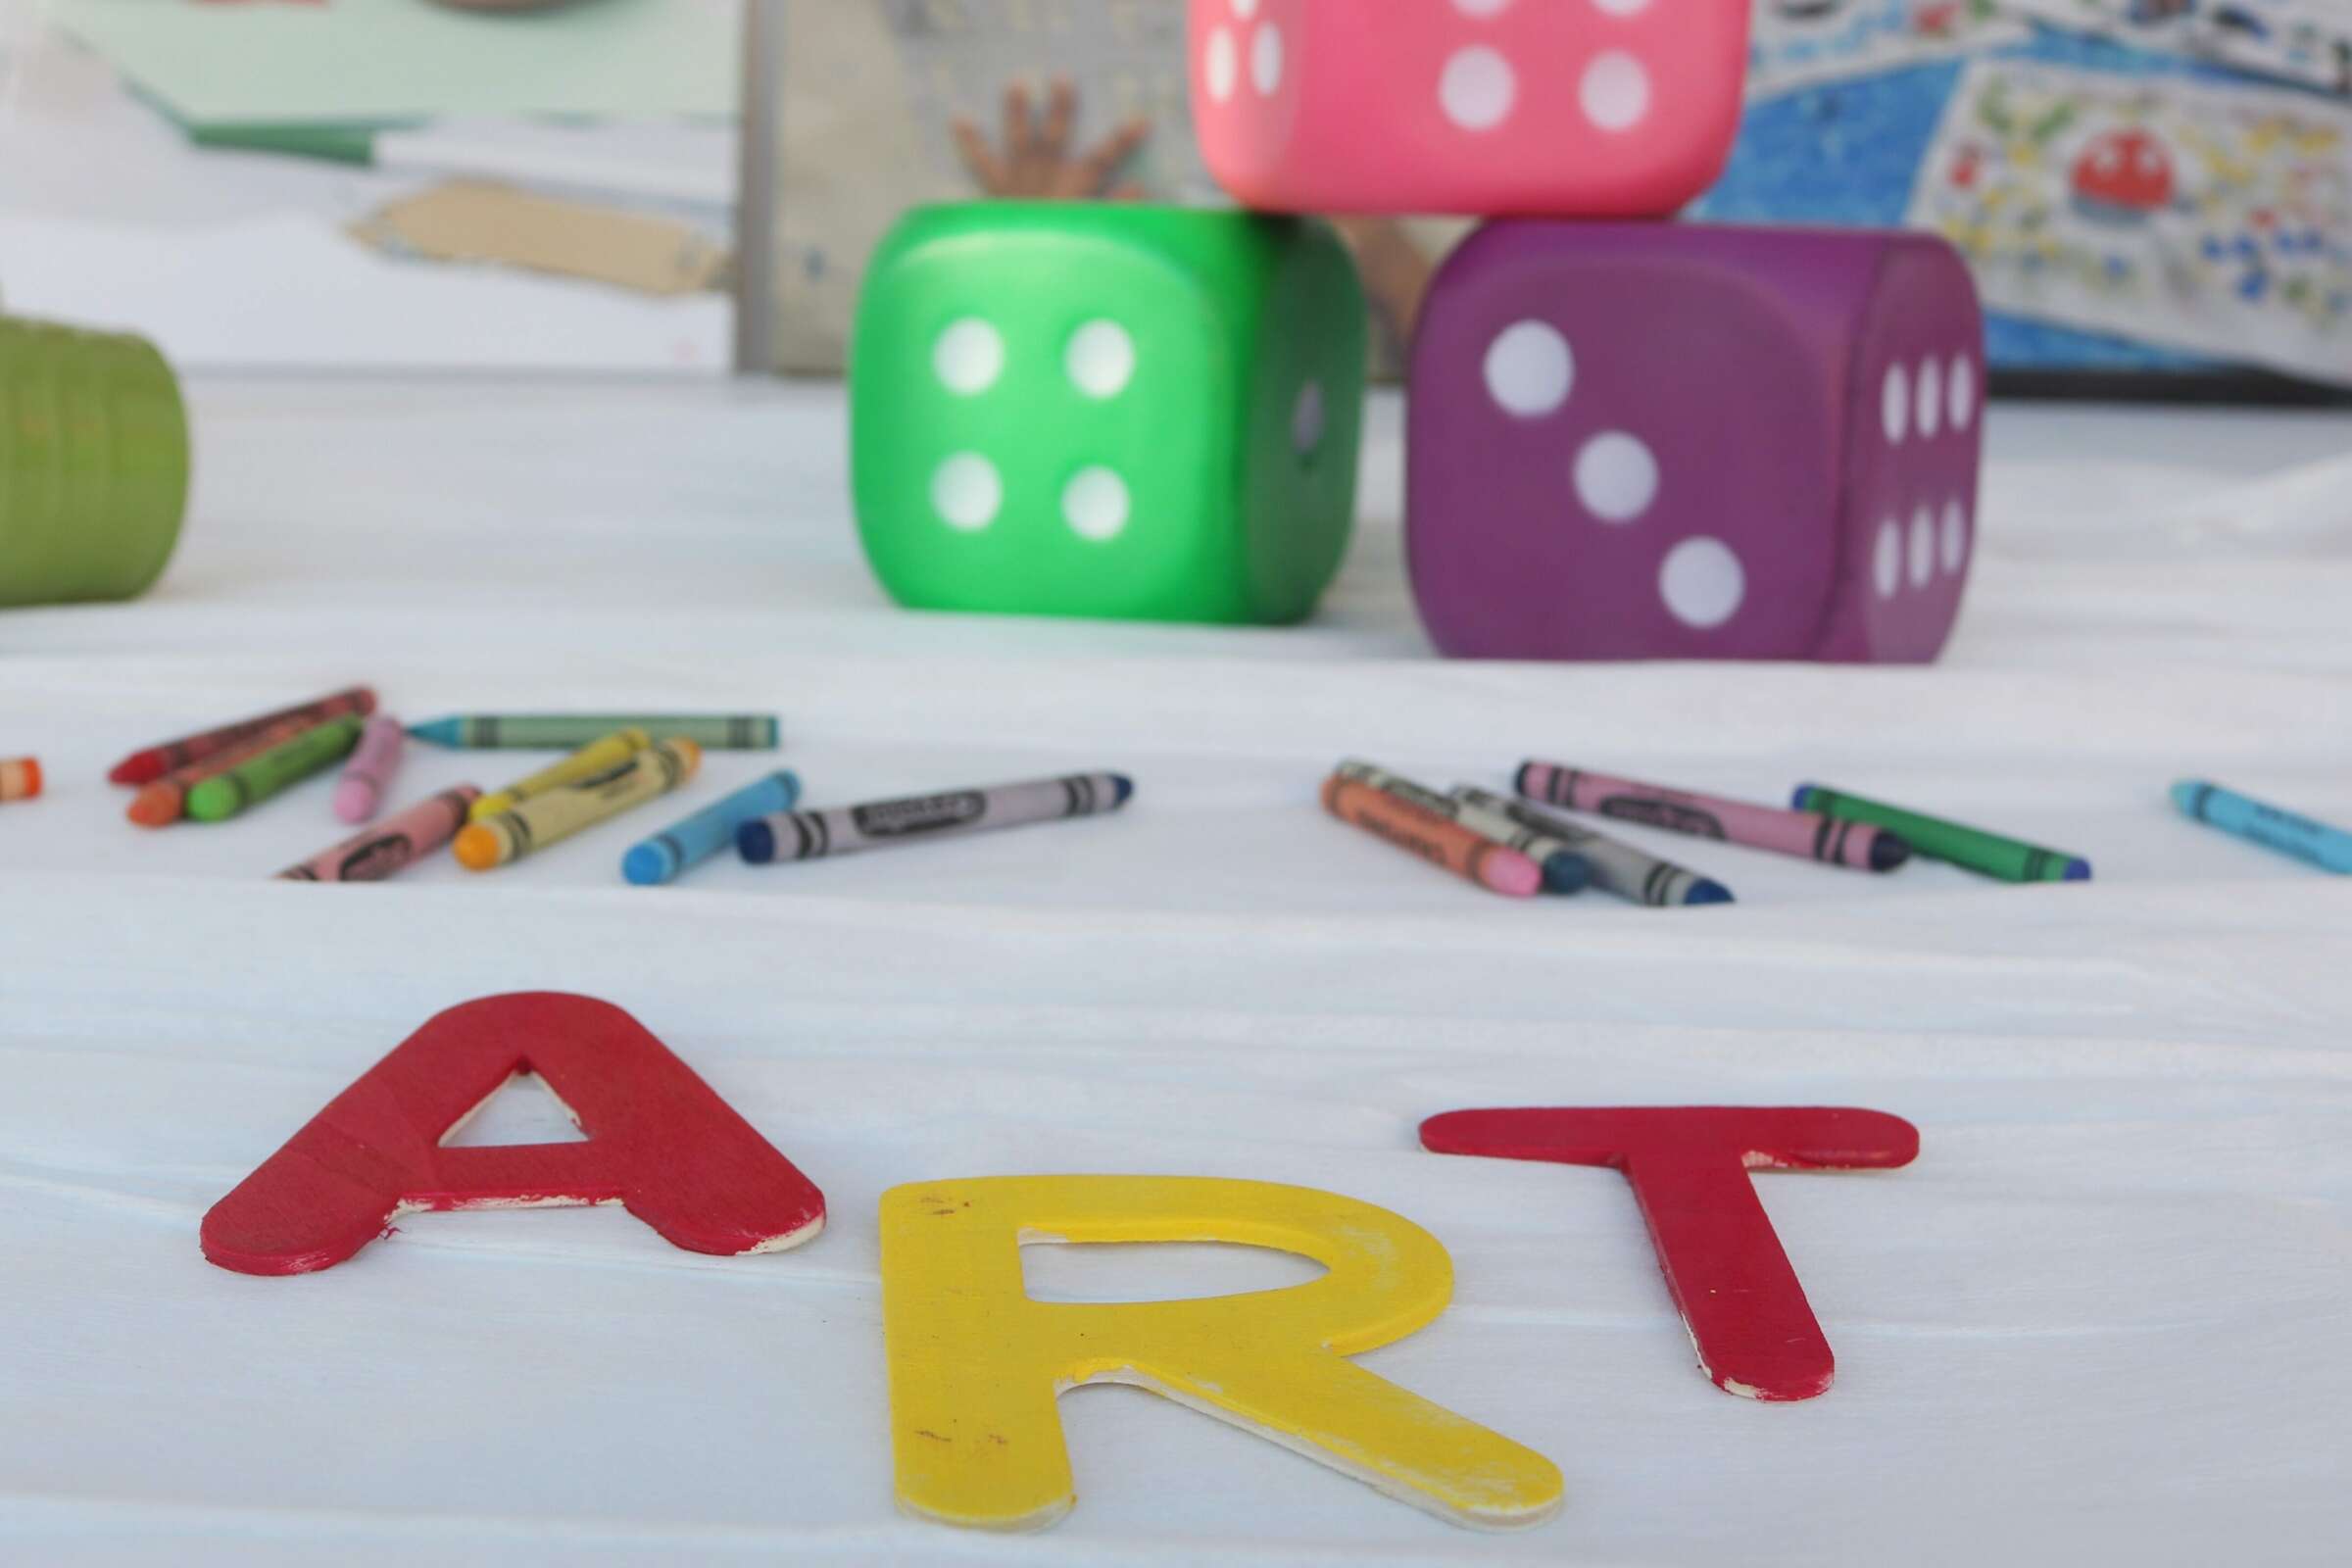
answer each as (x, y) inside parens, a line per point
(659, 1141)
(1747, 1314)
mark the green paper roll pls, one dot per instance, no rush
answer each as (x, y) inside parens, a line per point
(93, 465)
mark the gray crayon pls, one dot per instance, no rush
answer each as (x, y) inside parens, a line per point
(816, 835)
(1617, 867)
(1565, 868)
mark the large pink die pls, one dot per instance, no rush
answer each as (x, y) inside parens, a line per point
(1664, 441)
(1557, 107)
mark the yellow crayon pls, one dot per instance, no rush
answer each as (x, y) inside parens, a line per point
(589, 761)
(574, 807)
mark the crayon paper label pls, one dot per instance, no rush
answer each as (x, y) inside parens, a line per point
(932, 814)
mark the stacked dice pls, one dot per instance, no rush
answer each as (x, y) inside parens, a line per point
(1629, 438)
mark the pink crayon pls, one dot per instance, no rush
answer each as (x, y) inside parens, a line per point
(371, 768)
(388, 847)
(1807, 835)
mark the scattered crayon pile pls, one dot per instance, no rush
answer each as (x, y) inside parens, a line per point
(1519, 847)
(612, 764)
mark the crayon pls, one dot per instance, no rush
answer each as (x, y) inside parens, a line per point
(591, 761)
(1807, 835)
(372, 763)
(2328, 848)
(1970, 849)
(251, 783)
(564, 732)
(19, 779)
(881, 824)
(392, 846)
(1621, 868)
(1564, 870)
(163, 802)
(671, 854)
(145, 767)
(1442, 842)
(574, 807)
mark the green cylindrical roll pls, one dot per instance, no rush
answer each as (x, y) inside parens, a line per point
(313, 751)
(1971, 849)
(93, 465)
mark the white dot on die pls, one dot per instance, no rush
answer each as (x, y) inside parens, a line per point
(1308, 419)
(1615, 91)
(1895, 405)
(1100, 359)
(1482, 9)
(1244, 9)
(1094, 504)
(1923, 548)
(1703, 583)
(1616, 478)
(1265, 60)
(1888, 567)
(968, 356)
(966, 493)
(1955, 537)
(1530, 370)
(1222, 65)
(1930, 396)
(1621, 8)
(1478, 88)
(1963, 398)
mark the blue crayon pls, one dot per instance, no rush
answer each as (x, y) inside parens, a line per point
(2328, 848)
(667, 857)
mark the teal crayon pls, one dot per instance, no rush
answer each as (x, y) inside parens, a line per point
(569, 732)
(2305, 838)
(680, 847)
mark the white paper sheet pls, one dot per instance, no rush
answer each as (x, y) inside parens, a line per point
(2102, 1319)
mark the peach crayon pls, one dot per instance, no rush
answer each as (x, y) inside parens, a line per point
(19, 779)
(1445, 844)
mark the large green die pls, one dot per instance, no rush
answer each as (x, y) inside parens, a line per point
(1135, 412)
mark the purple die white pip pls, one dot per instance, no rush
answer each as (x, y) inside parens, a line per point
(1665, 441)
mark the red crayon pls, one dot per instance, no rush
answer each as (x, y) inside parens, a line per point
(145, 767)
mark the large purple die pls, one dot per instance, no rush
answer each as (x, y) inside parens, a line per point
(1666, 441)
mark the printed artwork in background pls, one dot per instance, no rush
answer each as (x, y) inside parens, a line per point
(2304, 41)
(2211, 220)
(872, 92)
(1800, 43)
(960, 54)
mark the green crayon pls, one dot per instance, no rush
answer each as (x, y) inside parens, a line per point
(569, 732)
(313, 751)
(1970, 849)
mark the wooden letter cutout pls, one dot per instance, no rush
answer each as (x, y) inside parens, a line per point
(660, 1142)
(1749, 1318)
(977, 1365)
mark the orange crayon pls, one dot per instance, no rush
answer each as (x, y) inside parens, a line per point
(20, 780)
(1441, 843)
(164, 802)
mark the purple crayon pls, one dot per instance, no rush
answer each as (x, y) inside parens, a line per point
(388, 848)
(1677, 441)
(1807, 835)
(369, 771)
